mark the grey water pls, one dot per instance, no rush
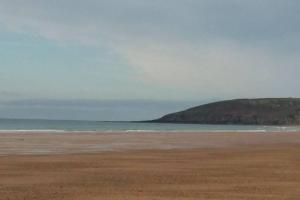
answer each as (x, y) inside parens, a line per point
(72, 125)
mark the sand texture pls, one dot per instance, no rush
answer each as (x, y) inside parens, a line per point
(93, 142)
(230, 168)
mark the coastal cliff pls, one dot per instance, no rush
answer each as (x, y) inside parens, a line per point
(269, 111)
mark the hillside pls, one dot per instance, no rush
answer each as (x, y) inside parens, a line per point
(272, 111)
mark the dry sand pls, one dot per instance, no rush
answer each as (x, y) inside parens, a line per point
(150, 166)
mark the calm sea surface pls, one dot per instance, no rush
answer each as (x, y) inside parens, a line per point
(69, 125)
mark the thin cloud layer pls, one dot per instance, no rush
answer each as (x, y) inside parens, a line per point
(215, 48)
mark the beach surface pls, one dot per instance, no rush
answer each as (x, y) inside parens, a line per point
(149, 165)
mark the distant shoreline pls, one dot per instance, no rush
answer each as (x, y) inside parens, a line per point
(21, 125)
(259, 111)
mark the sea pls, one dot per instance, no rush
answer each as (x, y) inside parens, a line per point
(29, 125)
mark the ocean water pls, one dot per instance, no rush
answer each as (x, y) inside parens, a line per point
(7, 125)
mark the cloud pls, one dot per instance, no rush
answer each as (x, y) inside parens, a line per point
(212, 47)
(90, 109)
(226, 68)
(4, 94)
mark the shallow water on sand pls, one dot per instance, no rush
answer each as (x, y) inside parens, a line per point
(69, 125)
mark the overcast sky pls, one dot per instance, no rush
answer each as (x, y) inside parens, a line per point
(151, 51)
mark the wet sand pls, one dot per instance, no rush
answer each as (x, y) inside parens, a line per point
(150, 166)
(16, 143)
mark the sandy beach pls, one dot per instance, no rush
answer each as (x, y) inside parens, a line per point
(150, 166)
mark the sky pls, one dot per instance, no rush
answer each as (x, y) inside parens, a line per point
(66, 59)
